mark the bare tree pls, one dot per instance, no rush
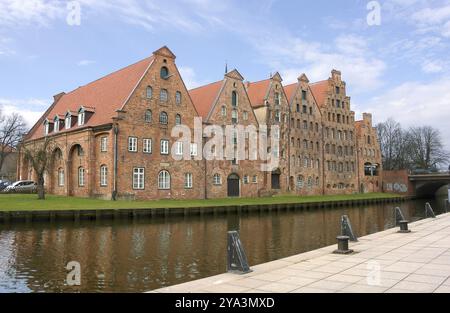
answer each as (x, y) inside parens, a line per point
(12, 129)
(426, 149)
(393, 145)
(39, 156)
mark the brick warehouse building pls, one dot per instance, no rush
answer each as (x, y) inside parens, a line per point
(112, 137)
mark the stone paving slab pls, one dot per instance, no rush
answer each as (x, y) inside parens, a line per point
(385, 262)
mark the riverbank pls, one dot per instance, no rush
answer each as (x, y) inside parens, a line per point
(385, 262)
(28, 208)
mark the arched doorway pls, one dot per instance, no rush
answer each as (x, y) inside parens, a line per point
(276, 175)
(233, 184)
(75, 162)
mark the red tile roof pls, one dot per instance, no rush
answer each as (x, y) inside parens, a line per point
(319, 91)
(290, 90)
(204, 97)
(104, 96)
(257, 92)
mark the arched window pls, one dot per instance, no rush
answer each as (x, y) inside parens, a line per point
(149, 92)
(178, 119)
(310, 182)
(163, 118)
(163, 96)
(164, 180)
(81, 173)
(217, 180)
(60, 177)
(148, 116)
(103, 176)
(234, 99)
(164, 72)
(224, 111)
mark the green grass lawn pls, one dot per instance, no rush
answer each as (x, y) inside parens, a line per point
(30, 202)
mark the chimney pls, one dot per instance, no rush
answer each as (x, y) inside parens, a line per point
(58, 96)
(368, 117)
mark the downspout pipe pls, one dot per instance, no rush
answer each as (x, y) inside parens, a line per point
(116, 157)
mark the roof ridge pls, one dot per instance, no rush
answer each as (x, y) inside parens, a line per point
(110, 74)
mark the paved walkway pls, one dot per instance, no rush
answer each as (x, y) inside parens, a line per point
(383, 262)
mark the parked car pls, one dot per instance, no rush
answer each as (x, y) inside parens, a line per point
(22, 186)
(4, 184)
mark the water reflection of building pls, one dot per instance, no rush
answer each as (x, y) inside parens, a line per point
(147, 254)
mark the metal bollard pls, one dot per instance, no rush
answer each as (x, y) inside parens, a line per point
(398, 215)
(404, 227)
(343, 245)
(429, 211)
(236, 257)
(346, 228)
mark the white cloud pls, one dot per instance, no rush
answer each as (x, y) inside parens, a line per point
(190, 77)
(433, 67)
(15, 13)
(416, 103)
(85, 62)
(31, 109)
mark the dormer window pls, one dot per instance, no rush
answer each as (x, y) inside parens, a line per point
(68, 121)
(46, 128)
(81, 117)
(57, 125)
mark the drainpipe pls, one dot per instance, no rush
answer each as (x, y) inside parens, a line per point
(116, 156)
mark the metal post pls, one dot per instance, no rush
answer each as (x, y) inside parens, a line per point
(236, 258)
(399, 215)
(343, 245)
(404, 227)
(346, 228)
(429, 211)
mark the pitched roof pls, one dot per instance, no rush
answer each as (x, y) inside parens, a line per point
(204, 97)
(106, 95)
(290, 90)
(319, 91)
(257, 92)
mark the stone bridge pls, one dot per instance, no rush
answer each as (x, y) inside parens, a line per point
(428, 184)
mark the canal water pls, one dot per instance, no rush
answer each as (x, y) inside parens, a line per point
(137, 256)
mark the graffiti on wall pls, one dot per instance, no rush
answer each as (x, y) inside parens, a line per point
(396, 187)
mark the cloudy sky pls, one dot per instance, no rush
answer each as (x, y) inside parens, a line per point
(400, 68)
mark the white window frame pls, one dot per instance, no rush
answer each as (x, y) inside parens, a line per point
(179, 148)
(104, 144)
(103, 176)
(68, 122)
(217, 180)
(132, 144)
(164, 180)
(61, 177)
(138, 178)
(147, 145)
(46, 128)
(81, 176)
(164, 98)
(56, 126)
(164, 147)
(188, 181)
(194, 149)
(81, 118)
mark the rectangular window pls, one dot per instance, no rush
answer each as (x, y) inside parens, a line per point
(178, 97)
(217, 180)
(103, 176)
(303, 95)
(60, 178)
(81, 177)
(81, 119)
(147, 146)
(234, 116)
(255, 179)
(188, 181)
(246, 179)
(104, 144)
(179, 150)
(138, 178)
(194, 149)
(132, 144)
(163, 95)
(165, 147)
(245, 116)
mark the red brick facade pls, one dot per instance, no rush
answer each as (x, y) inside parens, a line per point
(119, 142)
